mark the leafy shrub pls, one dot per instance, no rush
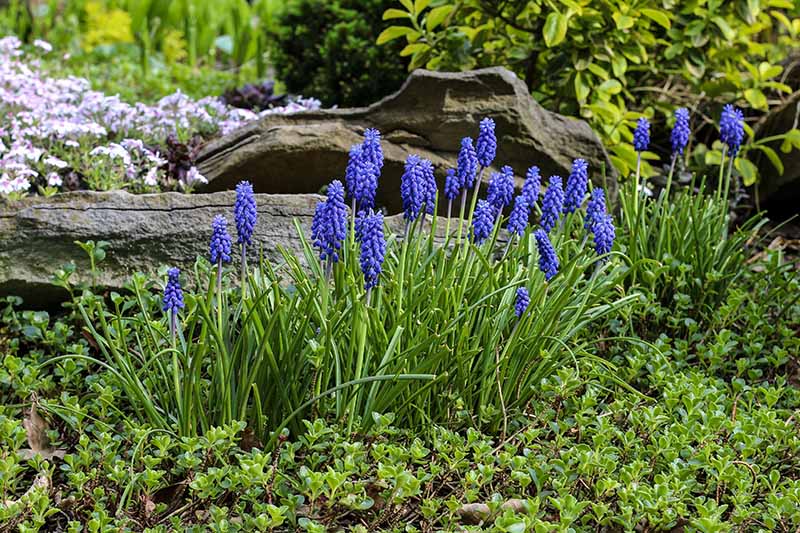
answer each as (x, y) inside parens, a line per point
(611, 61)
(325, 48)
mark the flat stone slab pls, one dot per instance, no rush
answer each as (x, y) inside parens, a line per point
(37, 234)
(144, 232)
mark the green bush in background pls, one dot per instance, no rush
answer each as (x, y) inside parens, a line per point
(326, 49)
(612, 61)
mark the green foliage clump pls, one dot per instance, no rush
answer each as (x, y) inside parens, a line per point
(438, 340)
(325, 49)
(611, 62)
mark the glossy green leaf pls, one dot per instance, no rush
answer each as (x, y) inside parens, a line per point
(658, 16)
(394, 32)
(748, 170)
(773, 157)
(437, 15)
(582, 89)
(756, 98)
(393, 13)
(555, 29)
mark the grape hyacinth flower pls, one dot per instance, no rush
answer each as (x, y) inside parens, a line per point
(530, 189)
(604, 234)
(680, 131)
(548, 261)
(351, 171)
(501, 189)
(641, 135)
(366, 185)
(413, 189)
(577, 184)
(522, 302)
(173, 298)
(595, 209)
(518, 220)
(220, 247)
(371, 148)
(373, 248)
(731, 128)
(487, 143)
(245, 216)
(429, 179)
(552, 203)
(467, 165)
(328, 227)
(451, 189)
(483, 222)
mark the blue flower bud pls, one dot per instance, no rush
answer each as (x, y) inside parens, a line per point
(680, 131)
(548, 261)
(641, 135)
(552, 203)
(731, 128)
(244, 212)
(173, 294)
(487, 143)
(220, 246)
(373, 247)
(483, 221)
(523, 300)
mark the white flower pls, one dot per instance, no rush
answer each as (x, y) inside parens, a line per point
(44, 45)
(54, 180)
(150, 179)
(55, 162)
(194, 176)
(5, 184)
(20, 184)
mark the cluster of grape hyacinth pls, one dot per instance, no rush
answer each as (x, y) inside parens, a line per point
(419, 195)
(220, 245)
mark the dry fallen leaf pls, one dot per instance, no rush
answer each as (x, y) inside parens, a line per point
(36, 429)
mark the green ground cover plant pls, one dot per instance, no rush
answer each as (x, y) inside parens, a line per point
(711, 448)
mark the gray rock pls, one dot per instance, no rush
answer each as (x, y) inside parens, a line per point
(37, 235)
(144, 232)
(429, 116)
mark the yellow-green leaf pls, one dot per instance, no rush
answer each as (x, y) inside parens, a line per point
(791, 139)
(723, 26)
(393, 13)
(658, 16)
(772, 156)
(581, 88)
(394, 32)
(420, 5)
(610, 87)
(756, 98)
(619, 65)
(414, 48)
(437, 16)
(555, 29)
(748, 171)
(408, 4)
(623, 22)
